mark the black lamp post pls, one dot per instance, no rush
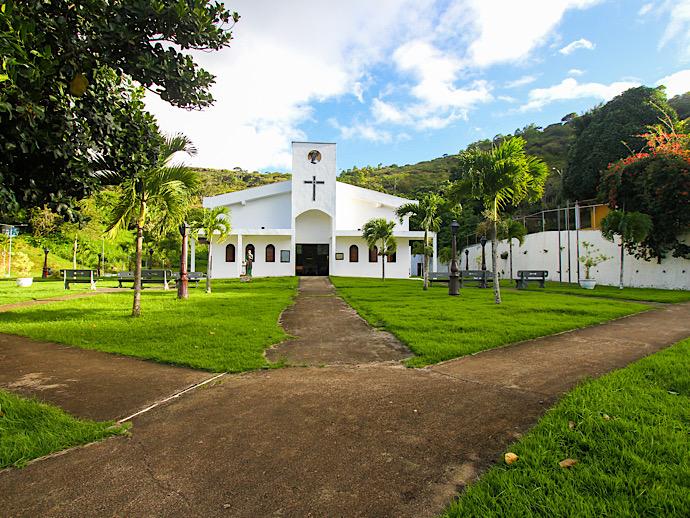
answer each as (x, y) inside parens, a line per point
(100, 262)
(454, 277)
(44, 274)
(182, 291)
(483, 243)
(150, 258)
(467, 259)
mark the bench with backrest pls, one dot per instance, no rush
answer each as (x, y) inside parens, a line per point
(79, 276)
(147, 277)
(481, 277)
(524, 276)
(194, 277)
(438, 277)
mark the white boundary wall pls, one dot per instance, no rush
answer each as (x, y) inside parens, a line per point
(540, 252)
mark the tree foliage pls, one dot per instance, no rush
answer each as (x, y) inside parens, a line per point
(378, 232)
(214, 224)
(608, 133)
(67, 94)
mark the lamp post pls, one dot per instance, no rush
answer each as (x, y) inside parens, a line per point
(454, 277)
(100, 262)
(182, 292)
(467, 259)
(150, 258)
(482, 241)
(44, 274)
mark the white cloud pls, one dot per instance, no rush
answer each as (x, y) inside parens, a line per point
(571, 47)
(269, 79)
(362, 131)
(677, 83)
(575, 72)
(678, 25)
(521, 81)
(645, 9)
(505, 30)
(385, 112)
(569, 89)
(506, 98)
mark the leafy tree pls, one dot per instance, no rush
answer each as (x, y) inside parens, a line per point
(158, 196)
(608, 133)
(512, 229)
(681, 103)
(378, 232)
(215, 224)
(67, 93)
(43, 222)
(591, 257)
(501, 177)
(655, 182)
(427, 214)
(632, 227)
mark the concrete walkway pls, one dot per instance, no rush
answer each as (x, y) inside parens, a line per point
(366, 440)
(330, 332)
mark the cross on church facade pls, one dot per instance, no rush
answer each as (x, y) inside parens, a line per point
(313, 183)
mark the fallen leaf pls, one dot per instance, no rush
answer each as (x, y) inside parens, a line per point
(606, 417)
(567, 463)
(571, 424)
(510, 457)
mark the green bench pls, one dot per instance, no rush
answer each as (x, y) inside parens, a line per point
(524, 276)
(79, 277)
(147, 277)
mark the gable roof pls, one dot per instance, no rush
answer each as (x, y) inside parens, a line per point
(371, 195)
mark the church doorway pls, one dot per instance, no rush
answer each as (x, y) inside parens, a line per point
(311, 259)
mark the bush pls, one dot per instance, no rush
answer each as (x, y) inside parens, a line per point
(21, 264)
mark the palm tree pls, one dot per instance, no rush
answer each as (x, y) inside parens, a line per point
(427, 212)
(214, 223)
(632, 227)
(500, 177)
(512, 229)
(378, 232)
(159, 194)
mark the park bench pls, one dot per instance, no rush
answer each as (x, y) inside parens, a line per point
(79, 276)
(438, 277)
(482, 277)
(147, 277)
(524, 276)
(194, 277)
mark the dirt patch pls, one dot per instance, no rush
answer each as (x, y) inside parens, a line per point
(68, 296)
(330, 332)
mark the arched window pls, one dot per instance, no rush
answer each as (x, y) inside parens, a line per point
(392, 258)
(374, 255)
(246, 252)
(354, 253)
(230, 253)
(270, 254)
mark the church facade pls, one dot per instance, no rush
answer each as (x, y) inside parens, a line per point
(309, 225)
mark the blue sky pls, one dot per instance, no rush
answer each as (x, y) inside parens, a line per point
(401, 81)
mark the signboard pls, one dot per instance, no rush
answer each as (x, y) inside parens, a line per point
(10, 230)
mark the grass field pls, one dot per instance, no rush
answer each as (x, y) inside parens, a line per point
(30, 429)
(10, 293)
(438, 327)
(641, 294)
(629, 434)
(227, 330)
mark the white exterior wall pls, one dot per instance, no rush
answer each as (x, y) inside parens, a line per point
(303, 170)
(352, 212)
(268, 212)
(672, 273)
(313, 226)
(400, 269)
(260, 268)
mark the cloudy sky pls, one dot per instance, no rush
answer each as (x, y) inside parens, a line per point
(400, 81)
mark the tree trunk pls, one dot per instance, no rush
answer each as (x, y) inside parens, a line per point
(74, 252)
(425, 273)
(510, 243)
(136, 304)
(209, 269)
(494, 264)
(620, 285)
(383, 262)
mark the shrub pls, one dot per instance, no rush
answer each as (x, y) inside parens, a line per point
(21, 264)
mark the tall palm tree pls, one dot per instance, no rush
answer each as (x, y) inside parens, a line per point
(512, 229)
(158, 195)
(500, 177)
(215, 224)
(427, 213)
(378, 232)
(632, 227)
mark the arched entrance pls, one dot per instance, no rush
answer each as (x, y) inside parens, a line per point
(313, 230)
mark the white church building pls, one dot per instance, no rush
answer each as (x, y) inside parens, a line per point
(309, 225)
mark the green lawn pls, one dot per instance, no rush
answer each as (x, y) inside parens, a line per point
(10, 293)
(30, 429)
(227, 330)
(636, 463)
(641, 294)
(438, 327)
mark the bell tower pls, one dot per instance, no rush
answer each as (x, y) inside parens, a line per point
(313, 177)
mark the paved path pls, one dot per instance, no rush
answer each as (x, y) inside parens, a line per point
(88, 383)
(368, 440)
(330, 332)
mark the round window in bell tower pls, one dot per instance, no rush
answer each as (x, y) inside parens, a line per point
(314, 156)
